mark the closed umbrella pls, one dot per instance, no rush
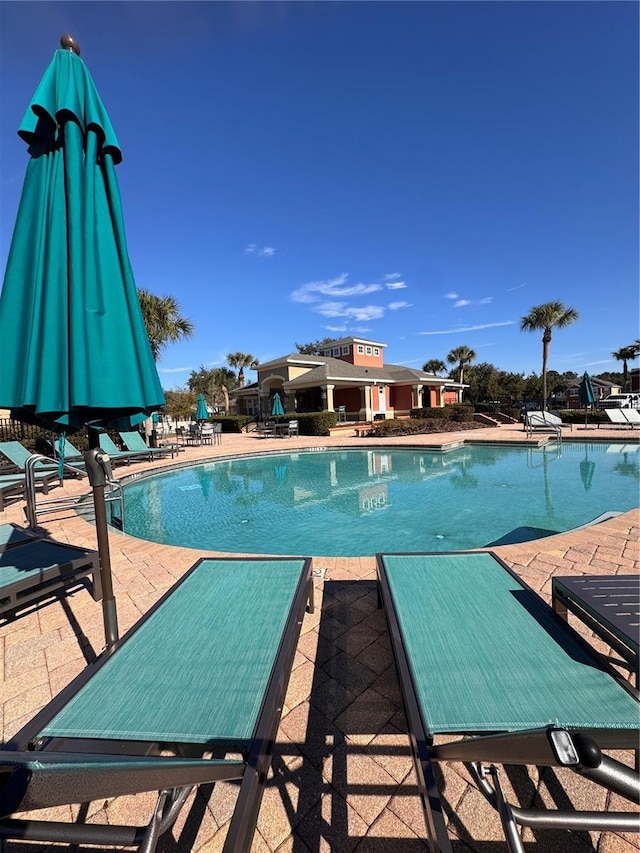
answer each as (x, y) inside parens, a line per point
(276, 405)
(201, 409)
(586, 394)
(75, 348)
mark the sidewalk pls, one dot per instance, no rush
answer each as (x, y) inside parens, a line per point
(342, 777)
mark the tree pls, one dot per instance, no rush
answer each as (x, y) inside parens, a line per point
(483, 383)
(180, 404)
(434, 365)
(240, 361)
(546, 317)
(314, 347)
(162, 319)
(461, 356)
(625, 354)
(215, 383)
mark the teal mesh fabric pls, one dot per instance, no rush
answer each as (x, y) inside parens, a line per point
(488, 655)
(196, 671)
(34, 559)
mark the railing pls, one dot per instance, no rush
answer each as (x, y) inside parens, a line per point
(34, 508)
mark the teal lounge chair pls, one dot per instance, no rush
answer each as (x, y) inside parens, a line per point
(39, 567)
(44, 473)
(134, 442)
(205, 670)
(11, 485)
(11, 536)
(117, 455)
(69, 451)
(484, 661)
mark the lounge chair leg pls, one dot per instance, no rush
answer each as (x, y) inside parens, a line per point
(167, 808)
(509, 825)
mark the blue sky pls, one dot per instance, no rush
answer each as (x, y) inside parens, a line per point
(421, 174)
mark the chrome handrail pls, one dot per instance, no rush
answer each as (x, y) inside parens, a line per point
(33, 508)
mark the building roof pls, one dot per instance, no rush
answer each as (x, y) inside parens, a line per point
(335, 370)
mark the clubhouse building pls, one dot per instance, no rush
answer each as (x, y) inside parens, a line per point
(349, 377)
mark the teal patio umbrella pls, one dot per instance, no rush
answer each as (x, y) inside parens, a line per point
(586, 394)
(276, 405)
(75, 348)
(201, 409)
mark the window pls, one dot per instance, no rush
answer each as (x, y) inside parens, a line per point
(376, 351)
(368, 350)
(345, 350)
(360, 349)
(336, 352)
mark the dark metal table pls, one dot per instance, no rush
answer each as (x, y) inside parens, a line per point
(609, 605)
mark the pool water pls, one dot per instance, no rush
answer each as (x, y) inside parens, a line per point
(358, 502)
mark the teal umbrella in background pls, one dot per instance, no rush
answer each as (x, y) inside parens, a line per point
(201, 409)
(276, 405)
(586, 394)
(75, 351)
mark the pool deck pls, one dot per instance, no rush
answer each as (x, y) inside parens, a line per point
(342, 776)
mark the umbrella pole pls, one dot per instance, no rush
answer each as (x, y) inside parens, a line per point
(97, 470)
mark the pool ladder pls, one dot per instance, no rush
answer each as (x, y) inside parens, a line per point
(34, 507)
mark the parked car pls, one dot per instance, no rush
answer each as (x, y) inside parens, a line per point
(620, 401)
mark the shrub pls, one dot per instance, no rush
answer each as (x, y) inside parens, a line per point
(231, 423)
(315, 423)
(459, 412)
(435, 412)
(418, 426)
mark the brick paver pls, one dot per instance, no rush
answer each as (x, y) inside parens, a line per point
(342, 777)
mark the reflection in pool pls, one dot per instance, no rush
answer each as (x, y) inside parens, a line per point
(358, 502)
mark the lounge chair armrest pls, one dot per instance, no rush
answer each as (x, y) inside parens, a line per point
(549, 747)
(33, 780)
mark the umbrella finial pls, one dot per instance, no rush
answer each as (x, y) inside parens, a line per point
(68, 42)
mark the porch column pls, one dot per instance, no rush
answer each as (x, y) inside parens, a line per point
(327, 397)
(289, 401)
(263, 404)
(416, 396)
(366, 411)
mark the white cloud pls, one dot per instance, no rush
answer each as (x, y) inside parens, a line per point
(174, 369)
(341, 309)
(335, 328)
(313, 291)
(396, 285)
(452, 295)
(462, 303)
(392, 276)
(260, 251)
(517, 287)
(468, 328)
(393, 306)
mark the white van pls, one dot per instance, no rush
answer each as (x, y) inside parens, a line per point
(620, 401)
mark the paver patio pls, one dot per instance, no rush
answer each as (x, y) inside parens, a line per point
(342, 777)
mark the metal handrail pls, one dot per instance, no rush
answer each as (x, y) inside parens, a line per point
(33, 508)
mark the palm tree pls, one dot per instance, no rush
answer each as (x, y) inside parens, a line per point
(461, 356)
(222, 379)
(239, 361)
(162, 319)
(625, 354)
(435, 366)
(547, 316)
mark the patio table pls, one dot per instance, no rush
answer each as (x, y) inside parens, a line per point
(609, 605)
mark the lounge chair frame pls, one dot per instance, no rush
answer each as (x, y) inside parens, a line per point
(99, 769)
(541, 747)
(73, 564)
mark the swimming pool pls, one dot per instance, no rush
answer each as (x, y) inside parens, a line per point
(358, 502)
